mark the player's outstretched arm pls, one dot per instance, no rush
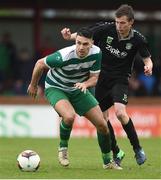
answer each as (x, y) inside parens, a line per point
(67, 35)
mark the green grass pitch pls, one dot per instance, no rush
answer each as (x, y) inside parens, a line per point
(85, 159)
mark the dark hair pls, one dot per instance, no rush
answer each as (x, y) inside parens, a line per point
(125, 10)
(85, 32)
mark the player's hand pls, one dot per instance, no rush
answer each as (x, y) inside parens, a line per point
(81, 86)
(32, 91)
(66, 33)
(148, 70)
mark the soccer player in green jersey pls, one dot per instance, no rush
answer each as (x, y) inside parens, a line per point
(72, 70)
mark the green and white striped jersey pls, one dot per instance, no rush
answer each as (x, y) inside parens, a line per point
(66, 68)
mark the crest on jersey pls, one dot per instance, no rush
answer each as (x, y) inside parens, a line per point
(57, 57)
(128, 46)
(109, 39)
(125, 98)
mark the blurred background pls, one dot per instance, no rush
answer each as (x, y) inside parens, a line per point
(31, 29)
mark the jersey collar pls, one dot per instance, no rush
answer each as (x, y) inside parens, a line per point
(131, 34)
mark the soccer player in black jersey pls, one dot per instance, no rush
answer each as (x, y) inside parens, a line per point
(119, 43)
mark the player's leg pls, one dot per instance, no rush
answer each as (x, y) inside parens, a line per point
(118, 154)
(120, 92)
(96, 117)
(103, 95)
(66, 111)
(68, 114)
(85, 104)
(129, 128)
(60, 101)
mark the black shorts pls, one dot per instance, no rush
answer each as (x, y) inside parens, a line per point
(109, 91)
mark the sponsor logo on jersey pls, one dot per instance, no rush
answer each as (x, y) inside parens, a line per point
(109, 39)
(116, 52)
(128, 46)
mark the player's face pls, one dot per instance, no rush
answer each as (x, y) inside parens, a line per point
(123, 25)
(83, 46)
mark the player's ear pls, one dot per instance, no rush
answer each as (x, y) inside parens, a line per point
(132, 22)
(91, 44)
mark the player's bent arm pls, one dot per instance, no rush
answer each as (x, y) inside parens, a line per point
(92, 81)
(40, 66)
(148, 66)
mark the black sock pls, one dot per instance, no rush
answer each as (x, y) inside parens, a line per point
(131, 134)
(114, 147)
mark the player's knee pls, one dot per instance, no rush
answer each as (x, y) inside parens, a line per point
(121, 115)
(69, 118)
(102, 128)
(106, 116)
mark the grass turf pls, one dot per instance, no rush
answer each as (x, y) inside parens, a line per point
(85, 160)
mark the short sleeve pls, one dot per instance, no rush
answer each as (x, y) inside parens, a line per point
(143, 48)
(97, 65)
(54, 60)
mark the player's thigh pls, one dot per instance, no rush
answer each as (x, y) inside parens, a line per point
(64, 108)
(106, 115)
(120, 111)
(83, 102)
(95, 115)
(103, 95)
(53, 95)
(60, 101)
(120, 108)
(120, 93)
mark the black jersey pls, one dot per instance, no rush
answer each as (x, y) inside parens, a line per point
(118, 54)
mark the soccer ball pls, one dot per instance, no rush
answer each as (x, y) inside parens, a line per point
(28, 160)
